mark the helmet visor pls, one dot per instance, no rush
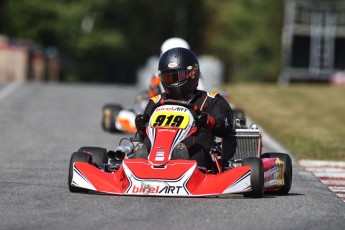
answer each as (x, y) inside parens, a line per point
(176, 76)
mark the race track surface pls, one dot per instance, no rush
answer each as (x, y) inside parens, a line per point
(42, 124)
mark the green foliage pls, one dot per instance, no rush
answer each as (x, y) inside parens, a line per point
(246, 35)
(107, 40)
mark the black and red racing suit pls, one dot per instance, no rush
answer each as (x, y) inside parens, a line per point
(199, 145)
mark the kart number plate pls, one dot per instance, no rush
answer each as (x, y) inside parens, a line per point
(169, 119)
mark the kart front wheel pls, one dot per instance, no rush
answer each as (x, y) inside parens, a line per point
(77, 157)
(109, 115)
(256, 176)
(287, 171)
(98, 155)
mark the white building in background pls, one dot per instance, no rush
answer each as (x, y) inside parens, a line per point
(22, 61)
(313, 40)
(13, 62)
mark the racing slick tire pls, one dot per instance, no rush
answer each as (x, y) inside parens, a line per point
(98, 155)
(109, 115)
(77, 157)
(256, 177)
(287, 171)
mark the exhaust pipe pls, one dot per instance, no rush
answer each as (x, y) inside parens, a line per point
(120, 152)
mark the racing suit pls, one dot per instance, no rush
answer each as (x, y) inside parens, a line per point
(199, 145)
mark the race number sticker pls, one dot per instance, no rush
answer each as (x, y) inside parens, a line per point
(169, 119)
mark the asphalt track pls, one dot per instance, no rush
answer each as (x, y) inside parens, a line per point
(42, 124)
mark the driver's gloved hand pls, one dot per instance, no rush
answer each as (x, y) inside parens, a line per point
(141, 121)
(204, 120)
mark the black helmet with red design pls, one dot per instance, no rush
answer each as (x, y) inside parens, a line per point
(179, 72)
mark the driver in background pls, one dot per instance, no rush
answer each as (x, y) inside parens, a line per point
(179, 73)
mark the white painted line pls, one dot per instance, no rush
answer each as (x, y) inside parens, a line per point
(314, 163)
(332, 179)
(337, 189)
(330, 175)
(341, 195)
(329, 170)
(7, 90)
(333, 182)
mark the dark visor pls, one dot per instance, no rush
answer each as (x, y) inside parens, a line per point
(177, 76)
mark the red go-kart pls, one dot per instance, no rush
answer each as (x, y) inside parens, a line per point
(163, 174)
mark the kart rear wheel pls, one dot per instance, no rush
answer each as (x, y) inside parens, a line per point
(98, 155)
(287, 171)
(256, 176)
(109, 115)
(77, 157)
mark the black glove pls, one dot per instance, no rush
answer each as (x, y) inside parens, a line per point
(201, 119)
(141, 121)
(204, 120)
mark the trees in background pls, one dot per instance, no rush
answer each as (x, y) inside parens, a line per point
(246, 35)
(108, 40)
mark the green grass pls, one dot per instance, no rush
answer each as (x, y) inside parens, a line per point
(308, 120)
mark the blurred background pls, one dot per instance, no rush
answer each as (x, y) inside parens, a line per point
(114, 41)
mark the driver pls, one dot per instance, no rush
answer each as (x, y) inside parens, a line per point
(179, 73)
(155, 86)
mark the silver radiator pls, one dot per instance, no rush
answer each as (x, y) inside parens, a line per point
(245, 143)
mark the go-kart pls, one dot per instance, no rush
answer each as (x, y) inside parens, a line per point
(162, 173)
(116, 119)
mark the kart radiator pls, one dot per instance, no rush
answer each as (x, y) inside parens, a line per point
(243, 143)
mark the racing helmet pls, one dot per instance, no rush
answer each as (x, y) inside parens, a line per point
(179, 73)
(174, 43)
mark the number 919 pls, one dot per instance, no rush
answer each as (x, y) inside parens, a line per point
(171, 120)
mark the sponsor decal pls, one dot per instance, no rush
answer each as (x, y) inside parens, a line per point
(170, 189)
(159, 156)
(180, 109)
(226, 122)
(271, 177)
(145, 189)
(148, 189)
(172, 65)
(155, 99)
(212, 94)
(173, 108)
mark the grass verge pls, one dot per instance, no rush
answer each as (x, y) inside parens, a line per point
(308, 120)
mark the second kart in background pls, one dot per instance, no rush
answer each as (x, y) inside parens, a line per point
(116, 119)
